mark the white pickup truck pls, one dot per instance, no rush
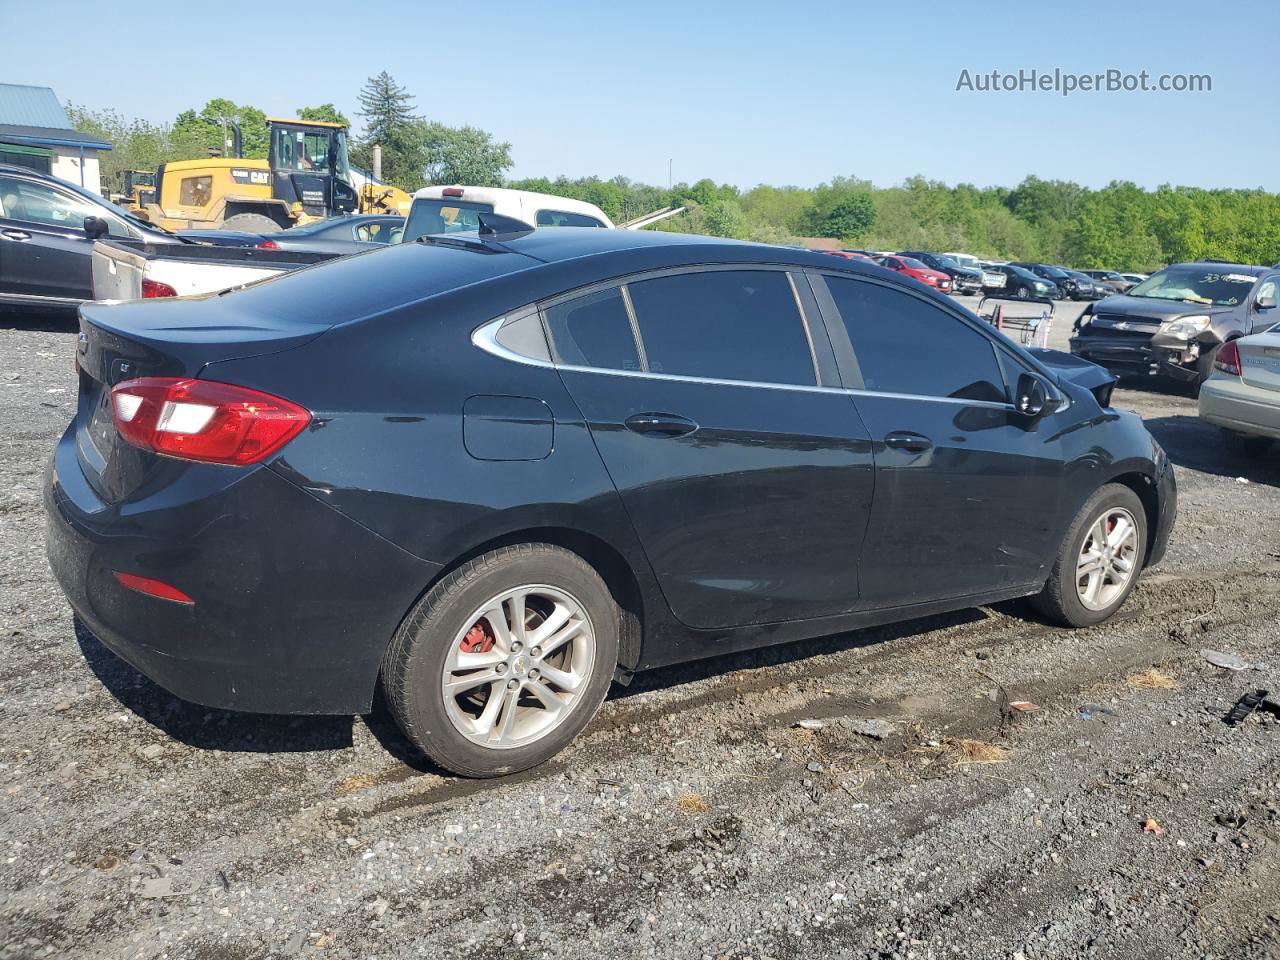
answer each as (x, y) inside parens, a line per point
(136, 271)
(133, 271)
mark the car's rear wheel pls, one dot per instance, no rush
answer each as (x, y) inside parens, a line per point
(1099, 561)
(1245, 444)
(504, 661)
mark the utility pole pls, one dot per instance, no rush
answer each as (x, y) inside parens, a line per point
(669, 162)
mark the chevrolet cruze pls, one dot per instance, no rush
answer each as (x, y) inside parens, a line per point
(491, 473)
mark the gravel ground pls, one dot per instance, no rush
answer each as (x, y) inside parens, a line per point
(696, 817)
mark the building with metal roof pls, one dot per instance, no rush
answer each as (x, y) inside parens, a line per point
(35, 133)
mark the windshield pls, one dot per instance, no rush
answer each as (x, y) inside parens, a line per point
(1054, 272)
(1219, 287)
(304, 149)
(431, 215)
(945, 262)
(120, 212)
(913, 263)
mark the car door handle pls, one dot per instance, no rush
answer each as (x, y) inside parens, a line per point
(662, 424)
(905, 440)
(15, 235)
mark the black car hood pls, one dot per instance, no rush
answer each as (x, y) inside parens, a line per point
(1097, 380)
(1124, 306)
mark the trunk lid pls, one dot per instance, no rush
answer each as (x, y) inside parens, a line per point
(1260, 360)
(160, 338)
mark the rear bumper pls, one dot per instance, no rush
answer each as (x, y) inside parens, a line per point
(1132, 357)
(1230, 402)
(294, 603)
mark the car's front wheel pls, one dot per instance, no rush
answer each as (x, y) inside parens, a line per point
(504, 661)
(1099, 561)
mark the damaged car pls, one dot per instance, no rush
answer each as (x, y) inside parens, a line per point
(1173, 324)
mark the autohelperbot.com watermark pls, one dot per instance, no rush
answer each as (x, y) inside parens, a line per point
(1066, 82)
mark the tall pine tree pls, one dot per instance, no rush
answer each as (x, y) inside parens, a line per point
(387, 108)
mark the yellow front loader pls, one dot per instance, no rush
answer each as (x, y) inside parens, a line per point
(305, 177)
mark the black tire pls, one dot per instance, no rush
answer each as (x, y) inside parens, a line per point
(1246, 444)
(1022, 293)
(1204, 368)
(251, 223)
(1059, 601)
(412, 669)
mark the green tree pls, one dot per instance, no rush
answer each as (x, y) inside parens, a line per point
(387, 109)
(851, 217)
(204, 128)
(464, 155)
(325, 113)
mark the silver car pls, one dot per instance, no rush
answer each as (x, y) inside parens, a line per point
(1242, 395)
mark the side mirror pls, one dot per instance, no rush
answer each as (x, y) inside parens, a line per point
(1031, 396)
(1264, 303)
(95, 228)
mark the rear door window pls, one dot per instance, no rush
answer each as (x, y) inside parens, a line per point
(594, 330)
(724, 324)
(906, 345)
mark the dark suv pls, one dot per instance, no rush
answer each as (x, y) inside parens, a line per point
(1174, 322)
(489, 473)
(963, 279)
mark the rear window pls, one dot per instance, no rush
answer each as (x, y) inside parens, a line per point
(560, 218)
(347, 288)
(430, 216)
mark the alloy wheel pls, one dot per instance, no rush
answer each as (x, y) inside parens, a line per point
(1108, 558)
(519, 667)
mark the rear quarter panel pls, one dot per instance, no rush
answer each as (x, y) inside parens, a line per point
(388, 447)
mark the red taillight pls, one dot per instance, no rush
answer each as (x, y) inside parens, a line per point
(451, 192)
(1228, 359)
(153, 588)
(203, 420)
(268, 245)
(154, 288)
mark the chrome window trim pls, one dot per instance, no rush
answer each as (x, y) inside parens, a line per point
(635, 327)
(484, 337)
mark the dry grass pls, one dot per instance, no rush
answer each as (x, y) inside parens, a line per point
(354, 784)
(977, 752)
(967, 752)
(692, 803)
(1153, 679)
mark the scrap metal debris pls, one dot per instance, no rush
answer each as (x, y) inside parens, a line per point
(1152, 826)
(1246, 705)
(1227, 661)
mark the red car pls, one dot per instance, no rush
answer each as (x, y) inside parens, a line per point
(848, 255)
(917, 270)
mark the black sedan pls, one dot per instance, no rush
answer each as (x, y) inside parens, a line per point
(45, 253)
(342, 235)
(493, 472)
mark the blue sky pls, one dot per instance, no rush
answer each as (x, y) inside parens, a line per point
(744, 93)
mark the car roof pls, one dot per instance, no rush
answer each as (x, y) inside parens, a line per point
(1248, 268)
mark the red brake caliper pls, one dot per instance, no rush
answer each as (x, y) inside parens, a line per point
(479, 638)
